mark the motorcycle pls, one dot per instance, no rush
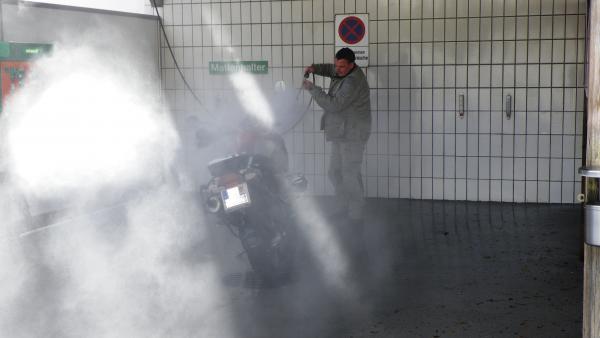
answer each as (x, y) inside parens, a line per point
(250, 195)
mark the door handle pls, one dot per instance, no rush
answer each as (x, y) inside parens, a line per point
(508, 106)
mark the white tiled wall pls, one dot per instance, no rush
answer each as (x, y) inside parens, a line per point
(424, 54)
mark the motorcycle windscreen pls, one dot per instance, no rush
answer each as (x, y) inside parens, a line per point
(236, 197)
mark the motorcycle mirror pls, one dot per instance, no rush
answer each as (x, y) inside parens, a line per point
(280, 86)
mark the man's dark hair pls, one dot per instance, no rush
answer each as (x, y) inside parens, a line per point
(346, 54)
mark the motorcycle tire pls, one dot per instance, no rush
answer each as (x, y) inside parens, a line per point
(271, 259)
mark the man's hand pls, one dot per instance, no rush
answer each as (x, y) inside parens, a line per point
(307, 85)
(309, 69)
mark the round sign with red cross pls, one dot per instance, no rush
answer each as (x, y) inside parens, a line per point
(352, 30)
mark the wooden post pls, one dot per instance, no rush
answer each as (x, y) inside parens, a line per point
(591, 266)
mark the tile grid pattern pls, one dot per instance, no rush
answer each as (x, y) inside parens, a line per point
(423, 55)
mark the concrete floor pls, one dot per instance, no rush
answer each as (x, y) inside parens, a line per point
(434, 269)
(431, 269)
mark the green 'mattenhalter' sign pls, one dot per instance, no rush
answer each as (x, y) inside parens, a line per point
(231, 67)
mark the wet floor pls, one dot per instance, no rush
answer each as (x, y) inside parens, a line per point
(431, 269)
(421, 269)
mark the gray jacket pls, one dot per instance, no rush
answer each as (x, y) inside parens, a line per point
(347, 104)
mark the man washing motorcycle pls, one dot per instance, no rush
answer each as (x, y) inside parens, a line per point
(347, 125)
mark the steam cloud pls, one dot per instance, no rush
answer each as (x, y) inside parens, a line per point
(88, 130)
(128, 254)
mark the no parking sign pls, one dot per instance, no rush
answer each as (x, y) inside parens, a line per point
(352, 32)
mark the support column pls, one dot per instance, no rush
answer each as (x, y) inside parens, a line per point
(591, 268)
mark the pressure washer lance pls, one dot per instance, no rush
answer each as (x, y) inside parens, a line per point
(306, 75)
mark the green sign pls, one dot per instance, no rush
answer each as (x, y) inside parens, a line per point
(14, 51)
(15, 61)
(231, 67)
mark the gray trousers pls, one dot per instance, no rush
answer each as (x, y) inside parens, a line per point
(344, 173)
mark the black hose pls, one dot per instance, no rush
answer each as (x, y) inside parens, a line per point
(307, 106)
(189, 88)
(187, 85)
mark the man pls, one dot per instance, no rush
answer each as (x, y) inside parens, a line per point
(347, 125)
